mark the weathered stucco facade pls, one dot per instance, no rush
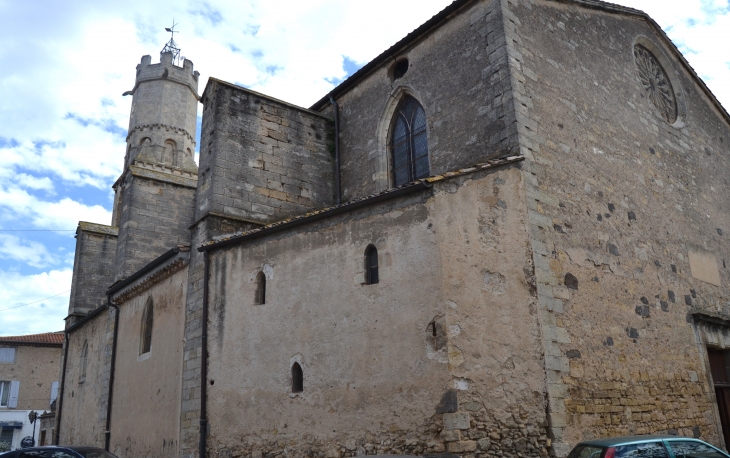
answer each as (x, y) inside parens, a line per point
(559, 273)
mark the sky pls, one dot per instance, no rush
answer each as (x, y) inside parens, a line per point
(63, 120)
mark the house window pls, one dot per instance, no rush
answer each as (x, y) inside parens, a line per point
(371, 265)
(6, 435)
(145, 343)
(408, 142)
(297, 378)
(4, 393)
(7, 355)
(83, 361)
(260, 289)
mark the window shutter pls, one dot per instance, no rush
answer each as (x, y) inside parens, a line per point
(13, 399)
(54, 391)
(7, 355)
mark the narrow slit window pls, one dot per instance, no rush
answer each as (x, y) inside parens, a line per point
(146, 336)
(297, 378)
(83, 361)
(371, 265)
(408, 142)
(260, 289)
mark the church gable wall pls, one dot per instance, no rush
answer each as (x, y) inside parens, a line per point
(262, 159)
(84, 403)
(146, 404)
(441, 355)
(459, 74)
(621, 204)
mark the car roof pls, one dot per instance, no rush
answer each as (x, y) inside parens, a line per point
(626, 440)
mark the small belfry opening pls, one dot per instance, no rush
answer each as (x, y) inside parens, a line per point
(371, 265)
(260, 298)
(297, 378)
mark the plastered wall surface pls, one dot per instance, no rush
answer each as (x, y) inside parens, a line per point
(36, 368)
(470, 112)
(618, 201)
(376, 379)
(261, 160)
(83, 414)
(146, 404)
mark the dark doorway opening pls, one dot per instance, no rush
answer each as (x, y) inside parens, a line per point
(720, 367)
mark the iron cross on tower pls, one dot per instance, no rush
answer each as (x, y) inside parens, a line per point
(171, 46)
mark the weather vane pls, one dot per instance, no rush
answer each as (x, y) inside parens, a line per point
(171, 46)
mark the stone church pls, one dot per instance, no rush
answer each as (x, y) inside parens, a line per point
(505, 234)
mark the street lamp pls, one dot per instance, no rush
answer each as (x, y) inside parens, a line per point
(33, 416)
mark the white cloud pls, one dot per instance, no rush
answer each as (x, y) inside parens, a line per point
(62, 215)
(29, 252)
(44, 316)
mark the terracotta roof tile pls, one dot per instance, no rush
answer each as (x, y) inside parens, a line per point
(48, 337)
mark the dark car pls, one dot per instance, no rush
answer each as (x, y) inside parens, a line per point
(60, 451)
(646, 447)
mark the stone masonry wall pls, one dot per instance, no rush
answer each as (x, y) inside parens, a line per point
(261, 159)
(459, 73)
(156, 214)
(627, 216)
(84, 403)
(93, 273)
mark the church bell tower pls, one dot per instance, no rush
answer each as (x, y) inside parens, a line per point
(154, 196)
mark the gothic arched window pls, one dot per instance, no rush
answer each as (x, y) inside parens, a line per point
(145, 343)
(408, 142)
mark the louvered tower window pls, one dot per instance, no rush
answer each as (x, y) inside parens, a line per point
(408, 142)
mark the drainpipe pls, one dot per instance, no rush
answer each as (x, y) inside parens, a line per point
(204, 361)
(63, 386)
(338, 188)
(108, 432)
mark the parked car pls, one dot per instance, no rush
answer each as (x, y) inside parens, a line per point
(646, 447)
(54, 451)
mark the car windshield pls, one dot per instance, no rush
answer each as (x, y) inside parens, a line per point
(94, 453)
(587, 451)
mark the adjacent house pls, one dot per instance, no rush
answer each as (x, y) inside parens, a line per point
(29, 370)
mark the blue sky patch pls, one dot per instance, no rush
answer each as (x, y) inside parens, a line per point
(8, 143)
(107, 124)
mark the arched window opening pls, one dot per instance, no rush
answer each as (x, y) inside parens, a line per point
(408, 142)
(371, 265)
(171, 155)
(83, 361)
(145, 343)
(260, 289)
(297, 378)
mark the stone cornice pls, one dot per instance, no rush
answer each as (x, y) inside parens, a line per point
(155, 275)
(178, 130)
(163, 173)
(101, 229)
